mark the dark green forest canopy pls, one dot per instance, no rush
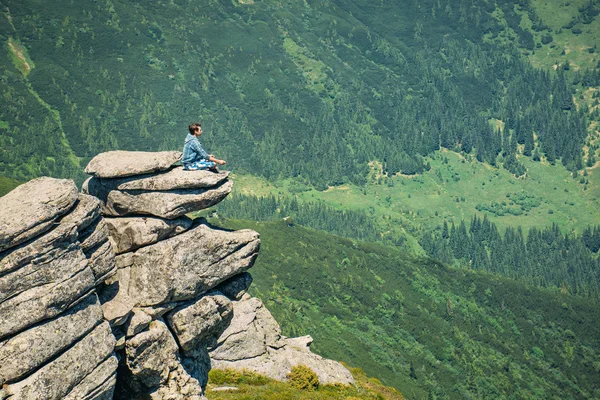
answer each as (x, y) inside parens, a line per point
(429, 330)
(316, 89)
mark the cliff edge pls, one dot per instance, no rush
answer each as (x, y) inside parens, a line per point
(116, 293)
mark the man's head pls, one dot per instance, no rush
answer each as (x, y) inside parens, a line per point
(195, 129)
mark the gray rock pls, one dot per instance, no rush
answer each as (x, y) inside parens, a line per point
(42, 250)
(32, 348)
(99, 384)
(58, 378)
(187, 265)
(119, 334)
(156, 312)
(35, 275)
(253, 341)
(197, 363)
(251, 332)
(169, 204)
(85, 212)
(46, 300)
(174, 179)
(132, 233)
(138, 322)
(200, 321)
(236, 286)
(115, 164)
(152, 354)
(94, 236)
(32, 208)
(102, 262)
(179, 385)
(116, 303)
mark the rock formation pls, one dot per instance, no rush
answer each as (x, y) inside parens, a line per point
(115, 293)
(54, 342)
(253, 341)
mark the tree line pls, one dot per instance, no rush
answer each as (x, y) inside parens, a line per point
(544, 257)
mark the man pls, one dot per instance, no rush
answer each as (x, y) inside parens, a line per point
(194, 156)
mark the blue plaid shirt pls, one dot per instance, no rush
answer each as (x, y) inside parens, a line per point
(193, 151)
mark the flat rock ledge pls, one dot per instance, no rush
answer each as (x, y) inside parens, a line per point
(32, 208)
(117, 164)
(185, 266)
(253, 341)
(164, 204)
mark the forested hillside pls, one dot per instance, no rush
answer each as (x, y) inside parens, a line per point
(310, 89)
(433, 332)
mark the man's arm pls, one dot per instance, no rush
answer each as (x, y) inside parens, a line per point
(198, 149)
(216, 160)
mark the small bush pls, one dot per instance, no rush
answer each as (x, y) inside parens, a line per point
(235, 377)
(547, 39)
(303, 378)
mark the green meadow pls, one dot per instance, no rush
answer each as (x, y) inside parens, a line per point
(457, 188)
(575, 44)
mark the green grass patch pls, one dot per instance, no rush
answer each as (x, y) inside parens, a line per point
(452, 190)
(19, 56)
(572, 44)
(251, 385)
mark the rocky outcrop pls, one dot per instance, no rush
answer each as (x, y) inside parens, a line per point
(253, 341)
(53, 338)
(115, 293)
(118, 163)
(44, 200)
(132, 233)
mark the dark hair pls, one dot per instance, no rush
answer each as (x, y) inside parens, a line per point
(193, 127)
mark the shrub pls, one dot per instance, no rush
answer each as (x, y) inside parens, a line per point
(547, 39)
(303, 378)
(236, 377)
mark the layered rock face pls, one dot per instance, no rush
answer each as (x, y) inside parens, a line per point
(115, 293)
(160, 303)
(54, 342)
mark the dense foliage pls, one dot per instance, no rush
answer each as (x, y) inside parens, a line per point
(348, 223)
(312, 89)
(543, 257)
(429, 330)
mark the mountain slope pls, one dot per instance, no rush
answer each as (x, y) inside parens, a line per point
(422, 327)
(307, 89)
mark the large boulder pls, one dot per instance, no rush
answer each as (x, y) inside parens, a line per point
(43, 295)
(132, 233)
(57, 379)
(32, 208)
(102, 262)
(98, 384)
(115, 164)
(187, 265)
(167, 204)
(253, 341)
(47, 247)
(201, 321)
(34, 347)
(176, 178)
(153, 360)
(85, 212)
